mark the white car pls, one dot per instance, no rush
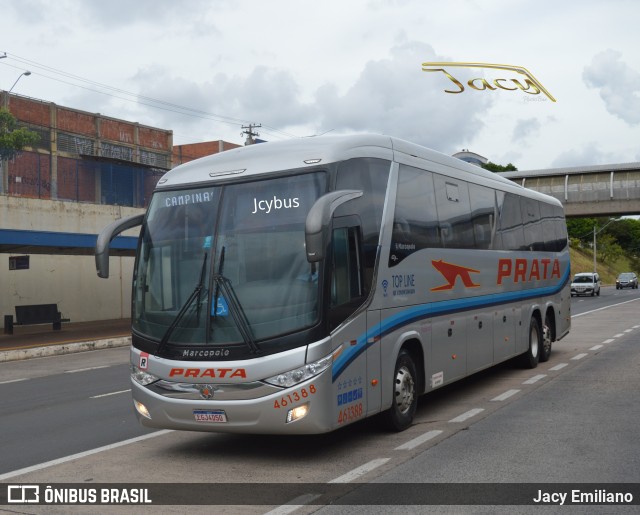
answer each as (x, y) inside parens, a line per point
(585, 283)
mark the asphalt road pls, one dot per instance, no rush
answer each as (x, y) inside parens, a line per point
(572, 419)
(48, 417)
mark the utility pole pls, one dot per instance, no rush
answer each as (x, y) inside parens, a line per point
(248, 130)
(595, 269)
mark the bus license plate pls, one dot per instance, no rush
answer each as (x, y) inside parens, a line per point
(214, 416)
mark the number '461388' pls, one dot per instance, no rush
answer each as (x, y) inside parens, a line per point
(294, 397)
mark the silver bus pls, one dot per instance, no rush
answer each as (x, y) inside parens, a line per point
(299, 286)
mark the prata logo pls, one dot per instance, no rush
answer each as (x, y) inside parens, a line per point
(451, 273)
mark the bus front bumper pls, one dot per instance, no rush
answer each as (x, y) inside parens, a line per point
(302, 409)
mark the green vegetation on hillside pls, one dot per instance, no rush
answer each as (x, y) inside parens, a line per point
(617, 244)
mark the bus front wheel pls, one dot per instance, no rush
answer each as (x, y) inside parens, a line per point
(530, 358)
(405, 396)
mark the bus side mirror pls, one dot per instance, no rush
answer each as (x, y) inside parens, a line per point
(104, 239)
(316, 230)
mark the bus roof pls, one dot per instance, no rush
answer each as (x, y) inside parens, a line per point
(310, 152)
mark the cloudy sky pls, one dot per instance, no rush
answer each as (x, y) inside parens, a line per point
(203, 68)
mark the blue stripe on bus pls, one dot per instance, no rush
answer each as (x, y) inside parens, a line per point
(446, 307)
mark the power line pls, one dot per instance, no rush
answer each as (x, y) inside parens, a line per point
(135, 97)
(590, 233)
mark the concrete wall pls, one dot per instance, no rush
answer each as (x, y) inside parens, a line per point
(69, 281)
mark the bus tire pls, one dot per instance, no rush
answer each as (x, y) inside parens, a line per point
(547, 340)
(530, 358)
(404, 400)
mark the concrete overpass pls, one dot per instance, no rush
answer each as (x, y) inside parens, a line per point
(598, 190)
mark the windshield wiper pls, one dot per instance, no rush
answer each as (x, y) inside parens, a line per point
(238, 314)
(233, 303)
(194, 294)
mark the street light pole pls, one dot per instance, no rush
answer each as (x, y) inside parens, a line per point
(26, 74)
(595, 250)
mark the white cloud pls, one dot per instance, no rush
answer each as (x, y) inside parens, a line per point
(525, 130)
(394, 96)
(588, 154)
(342, 66)
(619, 85)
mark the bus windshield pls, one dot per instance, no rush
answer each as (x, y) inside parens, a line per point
(221, 265)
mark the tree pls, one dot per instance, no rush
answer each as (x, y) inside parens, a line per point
(13, 138)
(626, 232)
(608, 249)
(581, 228)
(499, 168)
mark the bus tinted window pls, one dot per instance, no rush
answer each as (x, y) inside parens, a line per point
(532, 224)
(510, 226)
(482, 215)
(454, 212)
(415, 223)
(554, 219)
(370, 176)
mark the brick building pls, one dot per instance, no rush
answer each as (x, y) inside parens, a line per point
(86, 171)
(84, 157)
(185, 153)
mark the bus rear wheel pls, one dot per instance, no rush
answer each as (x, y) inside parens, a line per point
(405, 396)
(530, 358)
(547, 340)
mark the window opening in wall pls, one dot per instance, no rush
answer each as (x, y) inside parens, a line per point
(18, 262)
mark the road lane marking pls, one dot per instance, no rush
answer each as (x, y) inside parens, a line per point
(294, 504)
(559, 366)
(109, 394)
(580, 356)
(467, 415)
(619, 335)
(13, 380)
(504, 396)
(596, 347)
(628, 330)
(85, 369)
(609, 340)
(535, 379)
(412, 444)
(59, 461)
(360, 471)
(605, 307)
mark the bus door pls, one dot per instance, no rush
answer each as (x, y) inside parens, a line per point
(351, 327)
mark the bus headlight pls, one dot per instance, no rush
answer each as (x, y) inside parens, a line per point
(142, 377)
(142, 409)
(297, 375)
(298, 413)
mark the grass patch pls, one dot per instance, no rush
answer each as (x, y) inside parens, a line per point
(582, 261)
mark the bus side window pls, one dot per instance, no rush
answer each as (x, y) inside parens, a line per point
(510, 229)
(483, 216)
(454, 212)
(415, 223)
